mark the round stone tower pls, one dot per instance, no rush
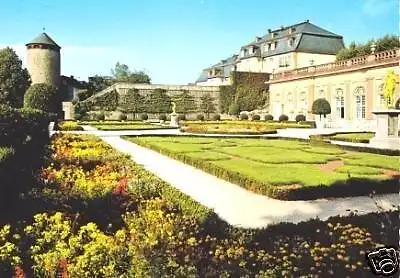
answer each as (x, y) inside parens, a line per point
(43, 60)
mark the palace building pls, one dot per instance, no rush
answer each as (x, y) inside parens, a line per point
(286, 48)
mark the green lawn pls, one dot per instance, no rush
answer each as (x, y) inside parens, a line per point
(275, 167)
(361, 137)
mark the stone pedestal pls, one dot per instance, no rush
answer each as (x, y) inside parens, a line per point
(387, 132)
(68, 109)
(174, 120)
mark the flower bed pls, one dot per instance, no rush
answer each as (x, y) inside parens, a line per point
(164, 233)
(68, 126)
(244, 129)
(239, 127)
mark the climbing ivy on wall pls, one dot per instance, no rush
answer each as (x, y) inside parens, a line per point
(248, 90)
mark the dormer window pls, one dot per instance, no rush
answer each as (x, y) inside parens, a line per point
(292, 30)
(274, 35)
(275, 45)
(291, 42)
(258, 39)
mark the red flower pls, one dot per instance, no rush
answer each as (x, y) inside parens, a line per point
(19, 272)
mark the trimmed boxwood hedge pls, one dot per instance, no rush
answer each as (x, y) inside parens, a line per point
(351, 187)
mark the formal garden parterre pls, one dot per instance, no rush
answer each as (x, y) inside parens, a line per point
(131, 224)
(284, 169)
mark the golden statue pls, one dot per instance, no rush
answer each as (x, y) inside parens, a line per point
(389, 88)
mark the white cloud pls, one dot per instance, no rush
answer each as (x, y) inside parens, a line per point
(375, 8)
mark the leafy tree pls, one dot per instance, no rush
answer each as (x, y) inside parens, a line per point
(41, 96)
(354, 50)
(207, 105)
(84, 94)
(185, 102)
(122, 73)
(158, 102)
(234, 109)
(98, 83)
(14, 80)
(132, 102)
(321, 107)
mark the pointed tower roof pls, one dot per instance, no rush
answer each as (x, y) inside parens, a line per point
(44, 39)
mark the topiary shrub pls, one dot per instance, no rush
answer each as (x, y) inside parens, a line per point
(244, 116)
(144, 117)
(162, 117)
(283, 118)
(122, 117)
(321, 107)
(41, 96)
(216, 117)
(200, 117)
(100, 116)
(300, 118)
(234, 109)
(397, 104)
(181, 117)
(255, 117)
(268, 117)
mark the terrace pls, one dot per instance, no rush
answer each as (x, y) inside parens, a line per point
(383, 58)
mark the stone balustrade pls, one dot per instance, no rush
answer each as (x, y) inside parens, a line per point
(372, 60)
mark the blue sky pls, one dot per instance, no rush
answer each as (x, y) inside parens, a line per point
(174, 39)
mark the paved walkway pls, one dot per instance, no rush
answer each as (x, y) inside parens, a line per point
(236, 205)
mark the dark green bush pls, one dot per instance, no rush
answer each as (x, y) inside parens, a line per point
(244, 117)
(200, 117)
(216, 117)
(144, 117)
(100, 116)
(268, 117)
(41, 96)
(234, 109)
(255, 117)
(321, 107)
(181, 117)
(162, 117)
(122, 117)
(300, 118)
(283, 118)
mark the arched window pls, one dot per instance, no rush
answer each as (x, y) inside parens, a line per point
(381, 97)
(359, 93)
(339, 103)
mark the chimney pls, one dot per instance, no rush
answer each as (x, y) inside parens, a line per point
(258, 39)
(307, 20)
(269, 31)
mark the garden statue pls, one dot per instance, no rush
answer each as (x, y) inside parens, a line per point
(389, 88)
(387, 132)
(174, 116)
(173, 108)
